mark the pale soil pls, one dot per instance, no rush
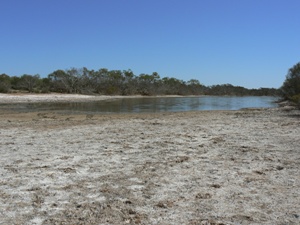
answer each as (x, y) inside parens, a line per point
(54, 97)
(207, 167)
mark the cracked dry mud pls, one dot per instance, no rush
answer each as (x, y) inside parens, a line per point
(220, 167)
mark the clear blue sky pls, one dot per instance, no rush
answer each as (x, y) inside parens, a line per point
(250, 43)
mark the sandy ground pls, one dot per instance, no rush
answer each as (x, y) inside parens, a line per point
(206, 167)
(54, 97)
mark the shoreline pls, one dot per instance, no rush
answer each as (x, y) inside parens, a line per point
(56, 97)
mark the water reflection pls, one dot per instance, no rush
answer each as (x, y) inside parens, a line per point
(155, 104)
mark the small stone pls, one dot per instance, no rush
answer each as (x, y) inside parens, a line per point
(279, 167)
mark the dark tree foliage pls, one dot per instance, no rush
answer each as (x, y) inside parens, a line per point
(28, 82)
(290, 90)
(119, 82)
(5, 84)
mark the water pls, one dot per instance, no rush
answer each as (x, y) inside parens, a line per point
(149, 105)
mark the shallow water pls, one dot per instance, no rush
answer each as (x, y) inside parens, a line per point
(149, 105)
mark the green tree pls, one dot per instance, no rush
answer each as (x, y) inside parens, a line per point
(45, 85)
(85, 82)
(29, 82)
(59, 81)
(130, 83)
(291, 86)
(14, 80)
(173, 86)
(195, 87)
(5, 84)
(148, 84)
(115, 82)
(68, 81)
(99, 80)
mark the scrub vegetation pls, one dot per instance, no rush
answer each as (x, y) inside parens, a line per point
(119, 82)
(291, 86)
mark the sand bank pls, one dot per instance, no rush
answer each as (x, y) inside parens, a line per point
(54, 97)
(220, 167)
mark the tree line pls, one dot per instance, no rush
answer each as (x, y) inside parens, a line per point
(119, 82)
(290, 89)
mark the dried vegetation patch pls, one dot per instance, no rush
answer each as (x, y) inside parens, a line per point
(238, 167)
